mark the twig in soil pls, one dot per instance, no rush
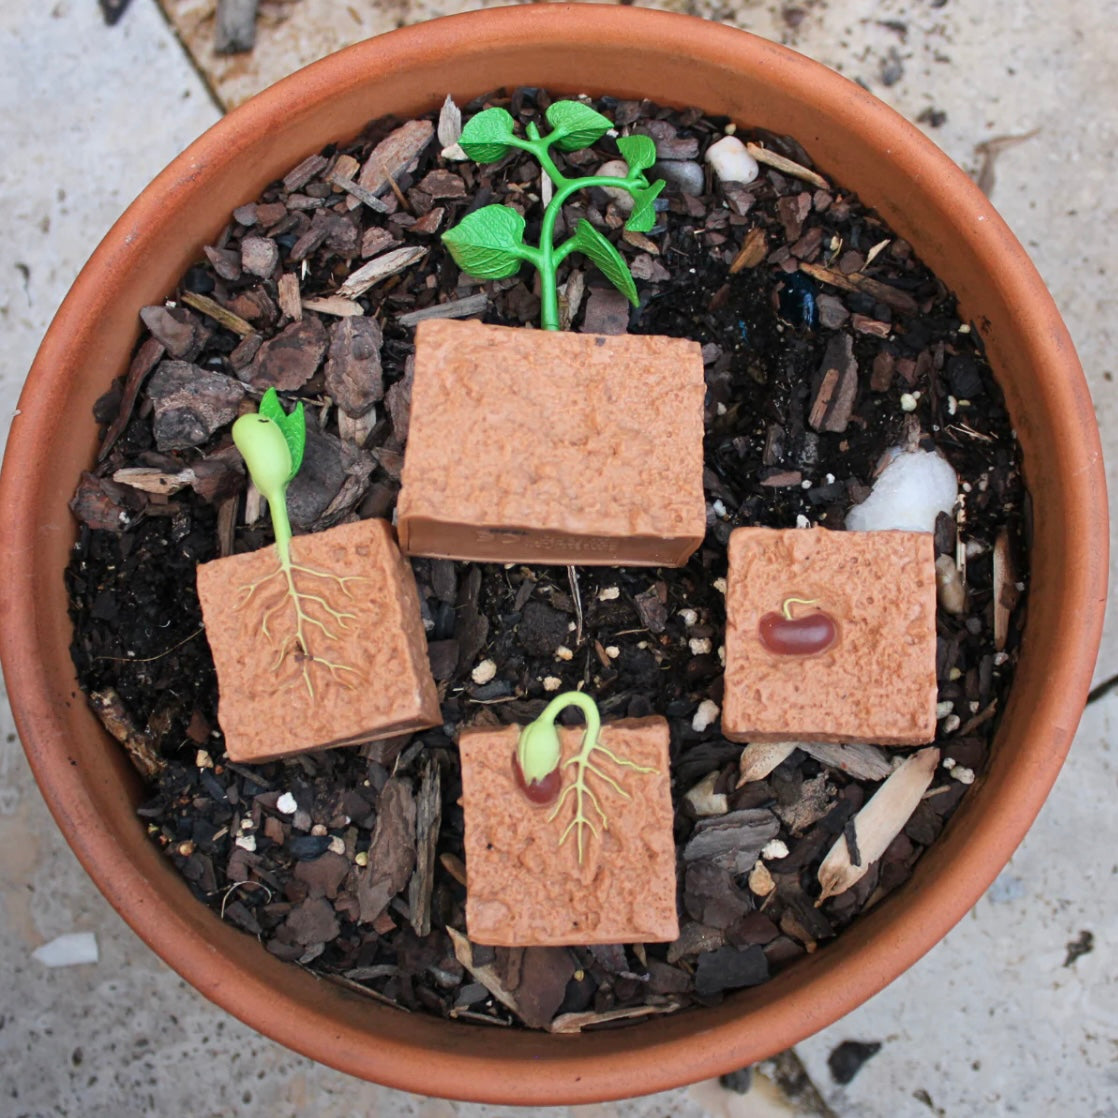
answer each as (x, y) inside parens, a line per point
(213, 309)
(455, 308)
(158, 656)
(787, 166)
(240, 884)
(576, 596)
(367, 197)
(856, 281)
(357, 988)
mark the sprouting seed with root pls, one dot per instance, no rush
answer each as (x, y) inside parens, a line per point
(538, 770)
(272, 443)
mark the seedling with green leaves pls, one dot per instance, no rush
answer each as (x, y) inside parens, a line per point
(539, 769)
(272, 443)
(489, 243)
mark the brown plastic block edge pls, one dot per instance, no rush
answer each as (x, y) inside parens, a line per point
(873, 594)
(525, 889)
(544, 447)
(369, 677)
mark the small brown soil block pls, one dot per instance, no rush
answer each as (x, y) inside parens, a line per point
(541, 447)
(356, 671)
(830, 636)
(525, 883)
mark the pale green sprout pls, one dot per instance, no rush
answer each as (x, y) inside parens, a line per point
(272, 444)
(538, 755)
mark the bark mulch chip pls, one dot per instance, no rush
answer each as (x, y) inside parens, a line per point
(815, 320)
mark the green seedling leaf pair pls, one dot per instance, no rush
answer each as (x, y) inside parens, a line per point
(489, 243)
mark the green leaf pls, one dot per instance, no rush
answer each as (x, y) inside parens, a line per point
(489, 243)
(643, 217)
(293, 427)
(578, 125)
(485, 138)
(595, 247)
(639, 152)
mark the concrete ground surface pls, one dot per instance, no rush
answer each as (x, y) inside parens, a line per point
(1016, 1011)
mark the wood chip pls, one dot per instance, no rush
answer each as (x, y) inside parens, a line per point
(213, 309)
(838, 386)
(877, 824)
(147, 357)
(139, 745)
(288, 296)
(863, 762)
(732, 841)
(1005, 592)
(454, 308)
(356, 430)
(380, 268)
(752, 251)
(302, 173)
(353, 375)
(856, 281)
(428, 818)
(391, 852)
(151, 480)
(786, 166)
(394, 155)
(334, 305)
(569, 1023)
(760, 758)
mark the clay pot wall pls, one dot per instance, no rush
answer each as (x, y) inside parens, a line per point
(628, 52)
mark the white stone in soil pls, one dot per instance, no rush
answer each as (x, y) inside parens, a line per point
(617, 169)
(69, 950)
(908, 495)
(484, 672)
(706, 714)
(286, 804)
(730, 161)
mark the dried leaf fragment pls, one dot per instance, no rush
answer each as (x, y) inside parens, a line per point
(760, 758)
(877, 824)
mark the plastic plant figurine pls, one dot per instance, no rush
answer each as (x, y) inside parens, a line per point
(489, 243)
(539, 771)
(272, 443)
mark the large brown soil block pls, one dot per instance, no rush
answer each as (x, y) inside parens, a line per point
(525, 889)
(540, 447)
(369, 678)
(870, 597)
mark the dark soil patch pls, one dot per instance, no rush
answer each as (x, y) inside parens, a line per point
(277, 848)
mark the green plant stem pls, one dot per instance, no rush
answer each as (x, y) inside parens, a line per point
(584, 703)
(551, 256)
(281, 524)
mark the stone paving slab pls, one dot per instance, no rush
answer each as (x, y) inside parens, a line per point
(991, 1022)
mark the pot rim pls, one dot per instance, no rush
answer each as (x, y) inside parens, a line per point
(453, 1059)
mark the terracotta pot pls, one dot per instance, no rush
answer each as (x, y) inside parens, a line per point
(631, 53)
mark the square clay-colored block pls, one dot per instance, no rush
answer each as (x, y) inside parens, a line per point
(535, 446)
(525, 889)
(877, 680)
(380, 684)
